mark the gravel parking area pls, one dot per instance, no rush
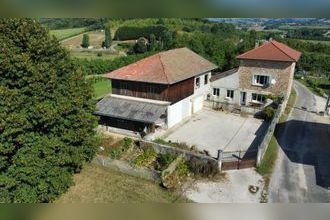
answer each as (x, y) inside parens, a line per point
(213, 130)
(233, 189)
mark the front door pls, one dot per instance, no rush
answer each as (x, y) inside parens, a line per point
(243, 98)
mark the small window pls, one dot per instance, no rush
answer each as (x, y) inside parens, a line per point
(258, 97)
(198, 82)
(206, 79)
(261, 80)
(216, 92)
(230, 94)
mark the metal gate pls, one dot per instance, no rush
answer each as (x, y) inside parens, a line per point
(238, 159)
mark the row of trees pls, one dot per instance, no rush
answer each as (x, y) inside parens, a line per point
(107, 38)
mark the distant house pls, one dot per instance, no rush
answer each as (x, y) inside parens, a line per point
(265, 70)
(158, 91)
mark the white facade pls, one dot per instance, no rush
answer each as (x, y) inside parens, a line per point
(185, 108)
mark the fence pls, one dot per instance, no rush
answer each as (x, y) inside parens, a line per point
(238, 159)
(262, 148)
(230, 107)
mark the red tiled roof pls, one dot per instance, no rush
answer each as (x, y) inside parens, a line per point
(164, 68)
(273, 51)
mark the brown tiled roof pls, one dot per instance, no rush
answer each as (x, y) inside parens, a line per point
(164, 68)
(273, 51)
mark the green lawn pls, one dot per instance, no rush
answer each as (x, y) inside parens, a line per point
(101, 87)
(96, 184)
(66, 33)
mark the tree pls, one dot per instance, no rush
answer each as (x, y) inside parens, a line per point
(140, 46)
(85, 41)
(107, 40)
(152, 46)
(47, 129)
(167, 40)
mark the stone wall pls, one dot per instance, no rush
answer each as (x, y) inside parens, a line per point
(282, 72)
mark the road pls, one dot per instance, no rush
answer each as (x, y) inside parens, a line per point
(302, 170)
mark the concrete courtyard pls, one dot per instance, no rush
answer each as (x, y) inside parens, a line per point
(213, 130)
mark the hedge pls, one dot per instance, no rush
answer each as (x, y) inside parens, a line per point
(100, 66)
(133, 33)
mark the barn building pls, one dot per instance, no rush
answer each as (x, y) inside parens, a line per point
(158, 91)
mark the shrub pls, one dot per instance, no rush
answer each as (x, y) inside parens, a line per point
(85, 41)
(99, 54)
(182, 168)
(164, 160)
(116, 150)
(202, 168)
(269, 113)
(100, 66)
(145, 158)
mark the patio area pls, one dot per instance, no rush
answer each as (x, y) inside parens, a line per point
(213, 130)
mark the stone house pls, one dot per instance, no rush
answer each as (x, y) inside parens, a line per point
(264, 70)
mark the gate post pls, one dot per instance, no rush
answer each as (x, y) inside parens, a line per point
(220, 156)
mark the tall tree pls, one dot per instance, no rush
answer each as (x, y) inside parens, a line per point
(85, 41)
(46, 122)
(152, 43)
(167, 40)
(108, 38)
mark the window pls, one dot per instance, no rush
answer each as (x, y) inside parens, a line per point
(206, 79)
(216, 92)
(230, 94)
(198, 82)
(260, 80)
(258, 97)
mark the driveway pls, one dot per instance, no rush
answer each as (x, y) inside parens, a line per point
(302, 171)
(232, 188)
(213, 130)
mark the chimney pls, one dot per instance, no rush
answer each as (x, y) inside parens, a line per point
(256, 44)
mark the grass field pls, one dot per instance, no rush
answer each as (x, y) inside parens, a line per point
(66, 33)
(95, 40)
(101, 88)
(97, 184)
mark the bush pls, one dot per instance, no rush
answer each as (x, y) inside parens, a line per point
(100, 66)
(202, 168)
(164, 160)
(118, 149)
(99, 54)
(85, 41)
(269, 113)
(182, 169)
(145, 158)
(132, 33)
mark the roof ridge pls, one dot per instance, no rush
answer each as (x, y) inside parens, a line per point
(281, 49)
(252, 50)
(163, 67)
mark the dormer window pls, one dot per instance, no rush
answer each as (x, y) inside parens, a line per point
(261, 80)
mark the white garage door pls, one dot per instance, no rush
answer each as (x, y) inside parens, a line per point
(197, 104)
